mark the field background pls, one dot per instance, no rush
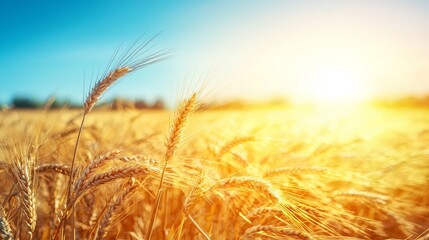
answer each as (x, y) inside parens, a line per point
(252, 173)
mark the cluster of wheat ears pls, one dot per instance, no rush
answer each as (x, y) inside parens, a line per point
(63, 180)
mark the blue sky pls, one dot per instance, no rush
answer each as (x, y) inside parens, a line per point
(258, 48)
(48, 46)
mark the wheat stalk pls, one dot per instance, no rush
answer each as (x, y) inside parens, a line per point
(112, 209)
(126, 64)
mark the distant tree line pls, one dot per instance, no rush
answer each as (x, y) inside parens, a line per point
(121, 104)
(20, 102)
(31, 103)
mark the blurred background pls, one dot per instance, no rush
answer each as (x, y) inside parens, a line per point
(291, 52)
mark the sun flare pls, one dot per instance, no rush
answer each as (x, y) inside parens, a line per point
(337, 86)
(334, 86)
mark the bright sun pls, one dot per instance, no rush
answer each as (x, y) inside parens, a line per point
(335, 85)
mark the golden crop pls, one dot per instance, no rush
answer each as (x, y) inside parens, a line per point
(245, 174)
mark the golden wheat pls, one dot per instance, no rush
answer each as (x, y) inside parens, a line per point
(5, 231)
(54, 168)
(101, 86)
(112, 209)
(249, 183)
(293, 170)
(274, 232)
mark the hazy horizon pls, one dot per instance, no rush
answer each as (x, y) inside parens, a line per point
(257, 50)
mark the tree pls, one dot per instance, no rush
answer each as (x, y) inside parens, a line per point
(24, 102)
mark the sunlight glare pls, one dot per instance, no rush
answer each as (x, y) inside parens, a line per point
(335, 86)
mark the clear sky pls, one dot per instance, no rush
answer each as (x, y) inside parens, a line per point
(254, 49)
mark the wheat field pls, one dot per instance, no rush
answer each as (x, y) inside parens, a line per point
(231, 174)
(200, 173)
(292, 120)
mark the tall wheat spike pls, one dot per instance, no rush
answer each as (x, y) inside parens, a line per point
(172, 144)
(24, 174)
(101, 86)
(129, 62)
(176, 131)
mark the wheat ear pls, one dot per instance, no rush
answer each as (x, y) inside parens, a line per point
(231, 144)
(99, 161)
(24, 175)
(111, 211)
(192, 198)
(97, 180)
(54, 168)
(5, 231)
(264, 211)
(294, 170)
(196, 192)
(259, 186)
(372, 197)
(101, 86)
(176, 131)
(280, 232)
(126, 64)
(114, 174)
(241, 159)
(172, 144)
(96, 92)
